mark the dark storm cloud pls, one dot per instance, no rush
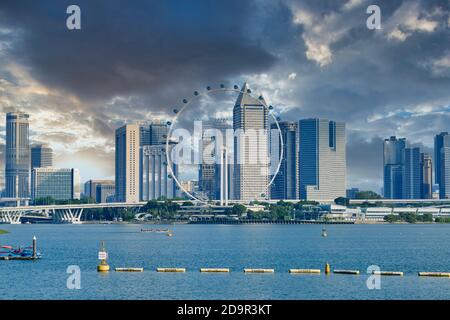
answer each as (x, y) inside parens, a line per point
(137, 60)
(135, 47)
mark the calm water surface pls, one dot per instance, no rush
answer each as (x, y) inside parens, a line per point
(407, 248)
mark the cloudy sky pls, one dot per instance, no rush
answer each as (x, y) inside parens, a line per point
(135, 60)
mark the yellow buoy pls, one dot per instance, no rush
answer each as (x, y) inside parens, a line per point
(103, 256)
(327, 268)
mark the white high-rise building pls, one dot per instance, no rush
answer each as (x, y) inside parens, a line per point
(251, 148)
(322, 169)
(127, 163)
(156, 178)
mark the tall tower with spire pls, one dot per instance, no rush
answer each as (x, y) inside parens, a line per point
(251, 148)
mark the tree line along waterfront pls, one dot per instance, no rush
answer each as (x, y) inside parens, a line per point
(282, 211)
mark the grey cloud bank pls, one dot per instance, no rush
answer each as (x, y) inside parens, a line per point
(132, 61)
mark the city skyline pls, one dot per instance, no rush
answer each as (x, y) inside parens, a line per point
(340, 71)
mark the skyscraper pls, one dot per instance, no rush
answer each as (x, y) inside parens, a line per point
(412, 174)
(60, 184)
(153, 134)
(156, 179)
(144, 135)
(41, 156)
(209, 168)
(105, 192)
(322, 160)
(441, 140)
(444, 186)
(90, 188)
(393, 150)
(158, 133)
(427, 176)
(251, 154)
(17, 162)
(127, 163)
(285, 184)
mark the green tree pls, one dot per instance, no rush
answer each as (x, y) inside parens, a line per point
(391, 218)
(426, 217)
(408, 217)
(237, 209)
(342, 201)
(367, 195)
(44, 201)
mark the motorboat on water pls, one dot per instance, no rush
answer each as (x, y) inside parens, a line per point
(168, 232)
(156, 230)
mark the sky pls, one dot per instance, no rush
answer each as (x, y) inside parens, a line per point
(134, 60)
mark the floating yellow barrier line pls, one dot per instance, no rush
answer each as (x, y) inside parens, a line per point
(316, 271)
(346, 271)
(388, 273)
(259, 270)
(129, 269)
(170, 270)
(214, 270)
(434, 274)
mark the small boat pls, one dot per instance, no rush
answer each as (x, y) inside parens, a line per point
(324, 232)
(10, 252)
(169, 233)
(156, 230)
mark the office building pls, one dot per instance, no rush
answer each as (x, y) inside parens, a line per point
(41, 156)
(90, 188)
(444, 186)
(393, 150)
(60, 184)
(322, 160)
(156, 179)
(285, 184)
(427, 176)
(251, 154)
(127, 163)
(352, 193)
(412, 174)
(17, 162)
(153, 134)
(441, 141)
(144, 135)
(105, 192)
(158, 133)
(212, 143)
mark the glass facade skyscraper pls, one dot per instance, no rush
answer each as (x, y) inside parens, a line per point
(441, 141)
(285, 184)
(412, 174)
(60, 184)
(41, 156)
(393, 150)
(322, 159)
(17, 162)
(444, 186)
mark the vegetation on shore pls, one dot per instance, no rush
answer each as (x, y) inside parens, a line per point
(409, 218)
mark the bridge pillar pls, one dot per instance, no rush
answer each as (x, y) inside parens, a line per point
(10, 216)
(72, 216)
